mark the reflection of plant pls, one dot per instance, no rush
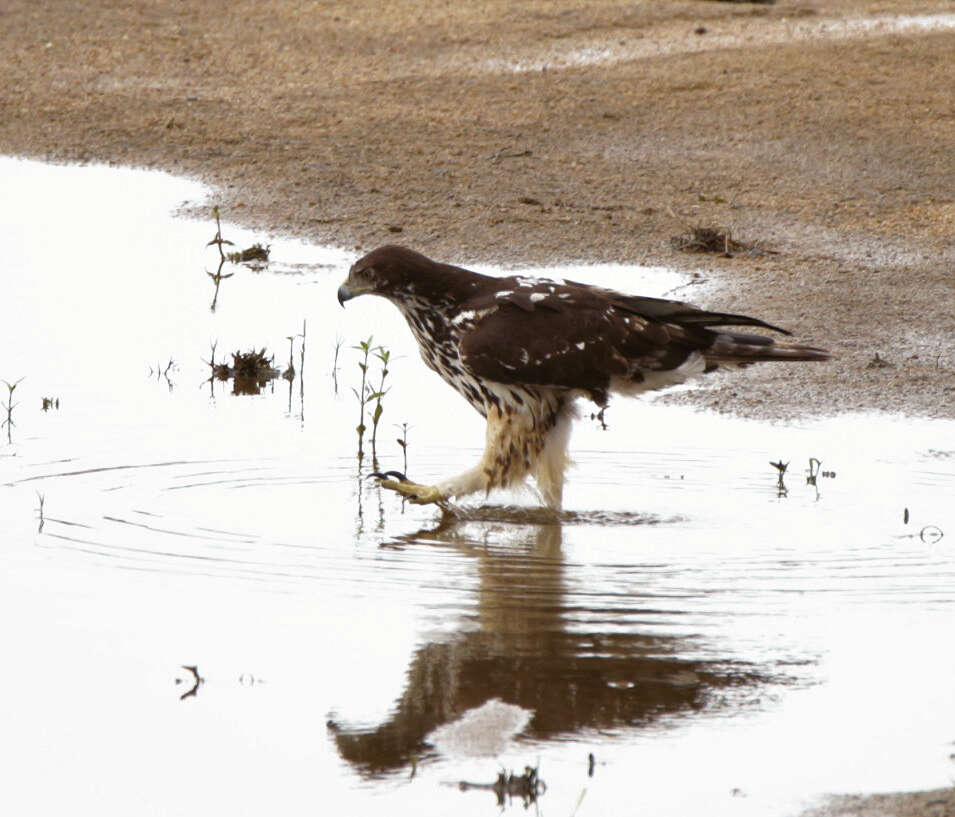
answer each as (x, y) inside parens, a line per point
(218, 240)
(10, 406)
(158, 372)
(528, 786)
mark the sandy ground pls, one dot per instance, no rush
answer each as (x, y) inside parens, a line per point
(527, 131)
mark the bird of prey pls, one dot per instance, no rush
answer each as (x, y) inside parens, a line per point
(521, 350)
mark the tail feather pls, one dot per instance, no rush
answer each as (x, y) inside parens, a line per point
(733, 347)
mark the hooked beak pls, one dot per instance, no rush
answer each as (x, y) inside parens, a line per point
(345, 294)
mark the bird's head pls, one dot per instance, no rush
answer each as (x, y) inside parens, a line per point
(390, 271)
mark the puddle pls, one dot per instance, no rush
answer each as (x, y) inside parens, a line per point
(680, 621)
(583, 50)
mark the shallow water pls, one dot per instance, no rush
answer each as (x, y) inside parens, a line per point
(717, 647)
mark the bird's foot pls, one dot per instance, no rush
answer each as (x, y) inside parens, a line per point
(412, 491)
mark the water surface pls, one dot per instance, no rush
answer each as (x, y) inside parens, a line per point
(719, 645)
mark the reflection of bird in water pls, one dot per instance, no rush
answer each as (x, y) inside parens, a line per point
(573, 661)
(521, 350)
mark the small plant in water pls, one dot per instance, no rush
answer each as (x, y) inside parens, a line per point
(383, 356)
(781, 489)
(163, 372)
(289, 373)
(362, 394)
(338, 348)
(403, 442)
(42, 499)
(218, 240)
(367, 394)
(10, 406)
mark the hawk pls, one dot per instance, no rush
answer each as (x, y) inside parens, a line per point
(521, 350)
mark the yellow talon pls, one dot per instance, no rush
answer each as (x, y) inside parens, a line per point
(418, 494)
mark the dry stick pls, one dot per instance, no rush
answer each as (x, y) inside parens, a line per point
(301, 376)
(338, 346)
(289, 373)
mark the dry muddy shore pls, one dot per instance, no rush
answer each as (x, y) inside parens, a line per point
(541, 131)
(536, 132)
(544, 131)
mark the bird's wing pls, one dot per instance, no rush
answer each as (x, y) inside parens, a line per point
(570, 335)
(680, 313)
(578, 341)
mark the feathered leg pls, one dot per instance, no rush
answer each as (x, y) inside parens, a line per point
(517, 444)
(553, 460)
(498, 468)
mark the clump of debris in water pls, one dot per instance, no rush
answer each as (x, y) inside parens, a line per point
(527, 787)
(256, 254)
(249, 371)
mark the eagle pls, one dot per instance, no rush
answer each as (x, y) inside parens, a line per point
(522, 350)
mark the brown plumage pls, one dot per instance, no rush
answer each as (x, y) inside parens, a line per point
(522, 349)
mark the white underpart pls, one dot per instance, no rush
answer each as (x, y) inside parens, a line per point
(538, 296)
(553, 460)
(549, 466)
(694, 365)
